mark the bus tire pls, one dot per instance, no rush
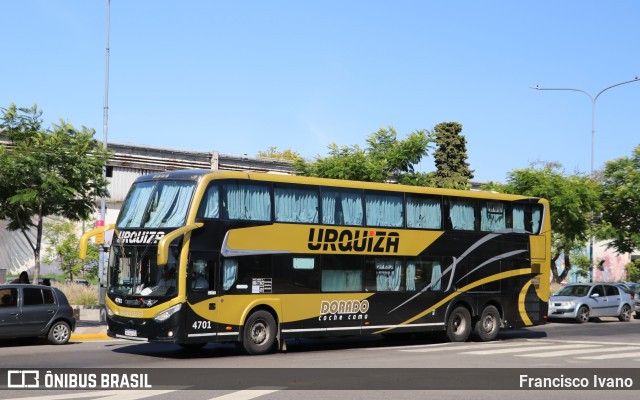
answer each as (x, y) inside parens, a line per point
(488, 325)
(459, 325)
(259, 333)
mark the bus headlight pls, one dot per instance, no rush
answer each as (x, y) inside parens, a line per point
(164, 315)
(109, 311)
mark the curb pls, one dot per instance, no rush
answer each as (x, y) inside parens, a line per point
(89, 336)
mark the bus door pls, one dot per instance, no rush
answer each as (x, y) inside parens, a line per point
(202, 273)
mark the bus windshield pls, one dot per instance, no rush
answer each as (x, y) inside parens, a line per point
(156, 204)
(133, 271)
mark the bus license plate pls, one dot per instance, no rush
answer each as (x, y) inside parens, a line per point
(130, 332)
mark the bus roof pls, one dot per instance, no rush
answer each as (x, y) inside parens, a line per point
(210, 175)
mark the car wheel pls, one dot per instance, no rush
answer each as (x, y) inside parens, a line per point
(583, 314)
(459, 325)
(59, 333)
(625, 313)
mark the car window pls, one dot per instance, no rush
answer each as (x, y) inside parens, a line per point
(32, 296)
(49, 298)
(597, 290)
(611, 290)
(8, 297)
(574, 290)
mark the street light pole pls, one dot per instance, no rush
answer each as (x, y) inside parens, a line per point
(105, 119)
(593, 142)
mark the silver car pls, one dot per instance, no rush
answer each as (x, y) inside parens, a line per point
(582, 301)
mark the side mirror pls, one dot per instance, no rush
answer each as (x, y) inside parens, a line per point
(594, 295)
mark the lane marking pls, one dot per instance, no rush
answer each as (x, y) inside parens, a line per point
(529, 348)
(101, 395)
(579, 351)
(246, 394)
(498, 345)
(610, 356)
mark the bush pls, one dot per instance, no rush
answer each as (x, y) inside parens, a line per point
(79, 294)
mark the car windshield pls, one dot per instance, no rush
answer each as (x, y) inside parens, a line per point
(133, 271)
(574, 290)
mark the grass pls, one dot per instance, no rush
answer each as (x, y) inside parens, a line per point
(79, 294)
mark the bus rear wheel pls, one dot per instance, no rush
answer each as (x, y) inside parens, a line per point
(488, 325)
(459, 325)
(259, 334)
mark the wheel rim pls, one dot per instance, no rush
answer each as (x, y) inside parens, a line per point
(259, 332)
(458, 323)
(626, 312)
(60, 333)
(489, 323)
(584, 314)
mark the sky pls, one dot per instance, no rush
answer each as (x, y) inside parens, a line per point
(239, 77)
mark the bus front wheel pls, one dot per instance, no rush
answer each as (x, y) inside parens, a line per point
(259, 335)
(488, 325)
(459, 325)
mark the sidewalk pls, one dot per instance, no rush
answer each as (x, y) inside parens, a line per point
(90, 330)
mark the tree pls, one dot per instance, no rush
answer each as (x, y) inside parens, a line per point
(47, 172)
(633, 271)
(64, 247)
(572, 199)
(621, 203)
(384, 159)
(274, 153)
(452, 169)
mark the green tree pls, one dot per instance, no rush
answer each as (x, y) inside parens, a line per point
(384, 159)
(572, 198)
(64, 247)
(452, 169)
(47, 172)
(621, 203)
(633, 271)
(274, 153)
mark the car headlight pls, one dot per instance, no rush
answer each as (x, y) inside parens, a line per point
(164, 315)
(567, 304)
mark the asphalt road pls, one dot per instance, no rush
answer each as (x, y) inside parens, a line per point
(400, 363)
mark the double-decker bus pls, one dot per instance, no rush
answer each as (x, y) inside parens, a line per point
(210, 256)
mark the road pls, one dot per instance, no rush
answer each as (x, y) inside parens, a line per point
(348, 363)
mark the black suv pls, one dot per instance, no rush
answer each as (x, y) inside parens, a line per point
(35, 310)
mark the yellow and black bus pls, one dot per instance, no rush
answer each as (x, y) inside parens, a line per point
(210, 256)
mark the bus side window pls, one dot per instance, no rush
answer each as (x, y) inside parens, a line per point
(423, 273)
(384, 274)
(210, 204)
(342, 207)
(462, 215)
(342, 274)
(229, 273)
(247, 202)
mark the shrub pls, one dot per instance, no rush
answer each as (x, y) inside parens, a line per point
(79, 294)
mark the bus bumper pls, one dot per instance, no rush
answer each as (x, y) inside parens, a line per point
(142, 329)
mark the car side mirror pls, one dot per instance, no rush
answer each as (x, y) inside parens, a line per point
(594, 295)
